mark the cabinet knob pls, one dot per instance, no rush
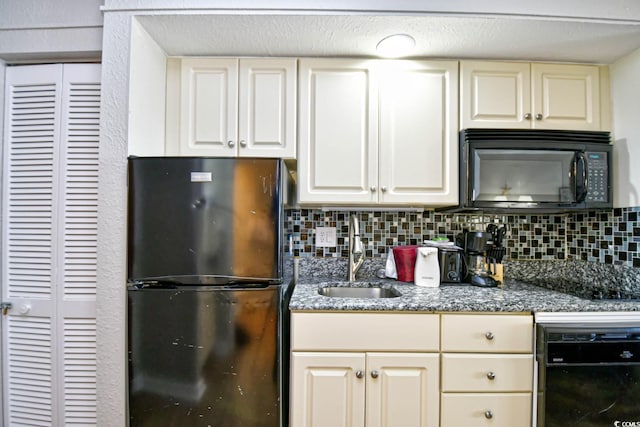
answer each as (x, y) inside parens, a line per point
(373, 188)
(243, 143)
(359, 374)
(383, 189)
(488, 415)
(489, 336)
(374, 374)
(538, 116)
(527, 116)
(491, 375)
(231, 143)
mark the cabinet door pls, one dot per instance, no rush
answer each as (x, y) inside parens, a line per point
(487, 333)
(495, 95)
(209, 107)
(418, 133)
(487, 372)
(326, 390)
(402, 389)
(267, 108)
(566, 96)
(337, 160)
(486, 409)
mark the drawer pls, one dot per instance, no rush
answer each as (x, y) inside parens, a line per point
(365, 331)
(490, 409)
(487, 333)
(487, 372)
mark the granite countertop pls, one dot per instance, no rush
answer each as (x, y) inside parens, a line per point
(512, 296)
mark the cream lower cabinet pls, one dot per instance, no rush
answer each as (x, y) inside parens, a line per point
(521, 95)
(395, 384)
(374, 132)
(411, 369)
(487, 370)
(364, 389)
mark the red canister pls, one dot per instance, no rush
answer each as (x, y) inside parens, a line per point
(405, 260)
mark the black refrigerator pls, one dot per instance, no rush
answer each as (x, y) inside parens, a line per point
(206, 294)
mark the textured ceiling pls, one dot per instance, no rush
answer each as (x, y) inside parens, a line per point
(458, 37)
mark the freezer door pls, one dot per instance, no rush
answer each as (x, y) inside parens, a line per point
(193, 219)
(204, 356)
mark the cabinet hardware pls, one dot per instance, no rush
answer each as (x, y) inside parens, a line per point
(359, 374)
(491, 375)
(538, 116)
(489, 336)
(488, 415)
(527, 116)
(374, 374)
(373, 188)
(243, 143)
(231, 144)
(5, 306)
(383, 189)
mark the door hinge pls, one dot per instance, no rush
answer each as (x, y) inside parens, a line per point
(5, 307)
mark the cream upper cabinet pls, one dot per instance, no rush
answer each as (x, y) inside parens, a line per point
(566, 96)
(523, 95)
(237, 107)
(338, 132)
(418, 134)
(377, 132)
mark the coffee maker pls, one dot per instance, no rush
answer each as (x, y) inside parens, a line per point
(475, 244)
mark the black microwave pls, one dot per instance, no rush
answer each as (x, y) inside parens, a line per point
(535, 170)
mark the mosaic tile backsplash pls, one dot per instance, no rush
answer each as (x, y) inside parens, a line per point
(609, 237)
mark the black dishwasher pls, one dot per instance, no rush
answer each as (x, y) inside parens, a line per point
(589, 375)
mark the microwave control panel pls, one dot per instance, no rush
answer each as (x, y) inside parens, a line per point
(597, 177)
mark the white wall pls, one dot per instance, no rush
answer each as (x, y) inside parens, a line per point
(112, 224)
(39, 30)
(625, 101)
(147, 89)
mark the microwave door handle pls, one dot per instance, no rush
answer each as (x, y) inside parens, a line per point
(582, 194)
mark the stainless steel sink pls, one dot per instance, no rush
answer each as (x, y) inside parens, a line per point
(358, 292)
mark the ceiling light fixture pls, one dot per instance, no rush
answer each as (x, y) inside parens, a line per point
(396, 45)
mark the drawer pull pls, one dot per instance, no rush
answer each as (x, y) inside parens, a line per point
(488, 415)
(374, 374)
(359, 374)
(489, 336)
(491, 375)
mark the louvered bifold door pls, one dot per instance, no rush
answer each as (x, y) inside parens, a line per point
(48, 336)
(77, 223)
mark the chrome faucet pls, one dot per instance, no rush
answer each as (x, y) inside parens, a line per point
(356, 251)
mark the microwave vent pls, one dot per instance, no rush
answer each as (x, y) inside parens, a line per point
(534, 135)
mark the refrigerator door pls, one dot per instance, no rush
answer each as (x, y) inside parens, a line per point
(204, 355)
(204, 220)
